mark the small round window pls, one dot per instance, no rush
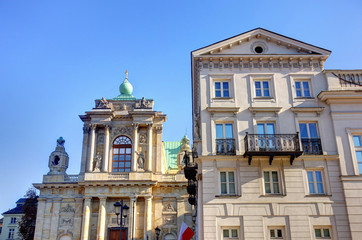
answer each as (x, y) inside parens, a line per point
(259, 49)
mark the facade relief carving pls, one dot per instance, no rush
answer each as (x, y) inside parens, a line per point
(67, 209)
(169, 219)
(168, 207)
(142, 138)
(66, 222)
(122, 131)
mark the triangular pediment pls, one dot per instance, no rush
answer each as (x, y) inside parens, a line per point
(260, 42)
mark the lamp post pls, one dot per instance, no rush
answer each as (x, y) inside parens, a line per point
(158, 231)
(121, 209)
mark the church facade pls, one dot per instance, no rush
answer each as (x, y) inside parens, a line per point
(280, 138)
(123, 159)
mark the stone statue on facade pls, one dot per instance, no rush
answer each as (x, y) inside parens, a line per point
(141, 160)
(143, 104)
(103, 103)
(97, 163)
(185, 154)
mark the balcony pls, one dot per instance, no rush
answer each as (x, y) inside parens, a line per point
(225, 146)
(272, 145)
(312, 146)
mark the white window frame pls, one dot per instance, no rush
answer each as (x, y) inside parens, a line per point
(11, 233)
(276, 228)
(230, 232)
(222, 88)
(301, 81)
(308, 131)
(223, 129)
(322, 228)
(314, 170)
(300, 78)
(271, 182)
(261, 81)
(13, 220)
(358, 149)
(350, 134)
(227, 171)
(261, 78)
(211, 88)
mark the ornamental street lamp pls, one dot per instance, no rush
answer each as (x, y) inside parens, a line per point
(122, 210)
(158, 231)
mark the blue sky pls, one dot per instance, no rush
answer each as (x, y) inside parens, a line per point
(56, 57)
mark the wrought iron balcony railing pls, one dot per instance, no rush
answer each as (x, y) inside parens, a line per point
(312, 146)
(225, 146)
(272, 145)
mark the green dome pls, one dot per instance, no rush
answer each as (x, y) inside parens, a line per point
(126, 88)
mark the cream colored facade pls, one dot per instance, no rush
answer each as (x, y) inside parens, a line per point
(273, 134)
(81, 206)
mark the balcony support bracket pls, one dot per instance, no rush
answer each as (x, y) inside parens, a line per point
(249, 160)
(271, 158)
(292, 159)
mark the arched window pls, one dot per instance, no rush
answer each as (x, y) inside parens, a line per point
(122, 154)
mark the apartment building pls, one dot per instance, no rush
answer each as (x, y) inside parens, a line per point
(278, 139)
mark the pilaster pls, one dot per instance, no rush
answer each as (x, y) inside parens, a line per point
(39, 219)
(83, 164)
(101, 218)
(77, 218)
(55, 218)
(149, 145)
(180, 211)
(135, 146)
(86, 218)
(148, 219)
(91, 147)
(106, 149)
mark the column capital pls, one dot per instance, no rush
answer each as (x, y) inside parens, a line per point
(149, 126)
(159, 129)
(86, 128)
(86, 198)
(135, 126)
(102, 198)
(148, 198)
(107, 126)
(93, 126)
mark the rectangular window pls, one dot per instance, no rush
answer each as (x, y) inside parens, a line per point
(266, 138)
(13, 220)
(230, 233)
(357, 141)
(271, 182)
(222, 90)
(262, 89)
(315, 182)
(276, 233)
(225, 139)
(224, 131)
(322, 233)
(227, 183)
(302, 88)
(308, 130)
(11, 233)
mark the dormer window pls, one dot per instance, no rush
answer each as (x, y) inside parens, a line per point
(122, 154)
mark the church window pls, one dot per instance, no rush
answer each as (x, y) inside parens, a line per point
(122, 154)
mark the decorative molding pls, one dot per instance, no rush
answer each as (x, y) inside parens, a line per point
(223, 109)
(255, 110)
(316, 110)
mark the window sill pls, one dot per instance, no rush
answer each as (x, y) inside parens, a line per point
(268, 98)
(222, 98)
(298, 98)
(318, 195)
(227, 196)
(273, 195)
